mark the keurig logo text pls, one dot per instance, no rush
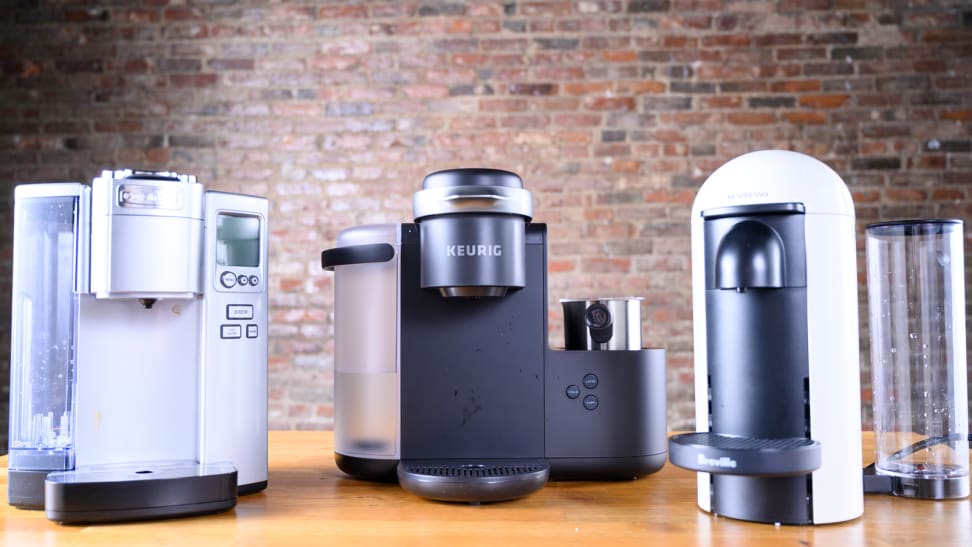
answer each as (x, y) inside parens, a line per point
(474, 250)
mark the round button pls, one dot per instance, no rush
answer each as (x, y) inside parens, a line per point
(228, 279)
(243, 280)
(254, 281)
(573, 391)
(590, 402)
(590, 381)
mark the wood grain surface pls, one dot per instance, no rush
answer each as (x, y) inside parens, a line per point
(310, 502)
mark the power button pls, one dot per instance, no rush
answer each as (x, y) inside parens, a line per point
(228, 279)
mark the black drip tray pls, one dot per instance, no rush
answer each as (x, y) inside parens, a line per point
(472, 481)
(756, 457)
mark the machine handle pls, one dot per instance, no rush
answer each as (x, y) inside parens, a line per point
(356, 254)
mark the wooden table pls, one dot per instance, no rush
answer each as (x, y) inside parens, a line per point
(310, 502)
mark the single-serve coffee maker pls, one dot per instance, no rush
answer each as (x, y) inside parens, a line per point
(774, 287)
(444, 379)
(139, 348)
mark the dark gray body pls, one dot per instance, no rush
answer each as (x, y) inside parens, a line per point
(757, 352)
(757, 451)
(479, 383)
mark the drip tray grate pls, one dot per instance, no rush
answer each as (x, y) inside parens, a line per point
(472, 481)
(751, 456)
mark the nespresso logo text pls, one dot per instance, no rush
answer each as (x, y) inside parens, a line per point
(748, 195)
(724, 462)
(474, 250)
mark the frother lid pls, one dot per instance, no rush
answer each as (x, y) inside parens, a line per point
(473, 190)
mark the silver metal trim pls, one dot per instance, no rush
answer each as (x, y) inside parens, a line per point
(48, 190)
(473, 292)
(82, 241)
(472, 199)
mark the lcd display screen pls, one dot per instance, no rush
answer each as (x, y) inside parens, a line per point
(237, 241)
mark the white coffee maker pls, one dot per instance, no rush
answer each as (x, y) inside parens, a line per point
(777, 374)
(138, 348)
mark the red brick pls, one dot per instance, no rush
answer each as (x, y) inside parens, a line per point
(342, 12)
(824, 101)
(605, 265)
(641, 87)
(626, 166)
(956, 115)
(620, 56)
(586, 88)
(904, 194)
(795, 86)
(750, 118)
(609, 103)
(503, 105)
(805, 118)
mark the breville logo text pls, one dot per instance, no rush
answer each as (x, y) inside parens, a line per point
(474, 250)
(724, 462)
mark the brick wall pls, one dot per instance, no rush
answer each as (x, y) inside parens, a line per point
(613, 111)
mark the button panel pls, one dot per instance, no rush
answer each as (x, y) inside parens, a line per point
(244, 281)
(244, 325)
(590, 401)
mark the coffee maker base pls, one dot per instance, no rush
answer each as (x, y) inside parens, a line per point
(25, 489)
(367, 469)
(139, 491)
(473, 481)
(600, 469)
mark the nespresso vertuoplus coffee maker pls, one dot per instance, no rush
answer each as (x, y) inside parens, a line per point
(139, 348)
(444, 379)
(777, 387)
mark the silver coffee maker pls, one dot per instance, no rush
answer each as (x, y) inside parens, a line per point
(139, 348)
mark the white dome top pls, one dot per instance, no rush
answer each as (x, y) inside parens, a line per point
(775, 176)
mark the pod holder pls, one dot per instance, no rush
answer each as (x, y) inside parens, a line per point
(472, 481)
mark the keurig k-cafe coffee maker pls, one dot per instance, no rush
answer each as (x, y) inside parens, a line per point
(774, 285)
(443, 376)
(139, 348)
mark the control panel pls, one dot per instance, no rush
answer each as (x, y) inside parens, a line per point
(243, 324)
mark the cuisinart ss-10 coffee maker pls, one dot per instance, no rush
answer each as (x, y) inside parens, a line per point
(139, 348)
(444, 379)
(777, 386)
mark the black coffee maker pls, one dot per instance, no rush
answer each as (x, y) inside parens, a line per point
(443, 376)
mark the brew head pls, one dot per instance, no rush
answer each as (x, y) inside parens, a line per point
(472, 224)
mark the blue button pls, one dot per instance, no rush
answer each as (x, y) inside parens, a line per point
(590, 381)
(590, 402)
(573, 391)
